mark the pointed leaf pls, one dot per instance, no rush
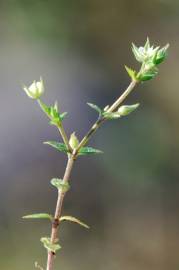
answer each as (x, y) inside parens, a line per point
(44, 108)
(48, 245)
(59, 184)
(89, 150)
(131, 73)
(95, 107)
(59, 146)
(161, 55)
(73, 219)
(38, 216)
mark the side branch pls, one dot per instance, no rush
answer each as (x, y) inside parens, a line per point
(111, 109)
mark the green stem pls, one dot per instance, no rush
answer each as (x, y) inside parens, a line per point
(64, 136)
(111, 109)
(70, 163)
(58, 209)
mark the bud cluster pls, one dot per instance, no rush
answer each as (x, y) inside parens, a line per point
(150, 57)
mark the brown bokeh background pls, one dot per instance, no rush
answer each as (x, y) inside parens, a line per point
(128, 195)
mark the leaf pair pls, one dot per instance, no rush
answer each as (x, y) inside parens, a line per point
(62, 218)
(83, 150)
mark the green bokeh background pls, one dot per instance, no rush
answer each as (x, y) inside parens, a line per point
(129, 195)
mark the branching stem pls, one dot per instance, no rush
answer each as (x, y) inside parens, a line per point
(112, 108)
(55, 224)
(70, 163)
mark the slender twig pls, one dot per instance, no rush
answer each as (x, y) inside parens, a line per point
(64, 136)
(69, 166)
(116, 104)
(112, 108)
(56, 223)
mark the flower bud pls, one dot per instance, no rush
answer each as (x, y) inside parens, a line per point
(35, 90)
(127, 109)
(73, 142)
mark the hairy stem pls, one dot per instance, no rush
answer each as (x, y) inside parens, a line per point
(56, 223)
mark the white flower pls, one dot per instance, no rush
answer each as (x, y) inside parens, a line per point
(35, 90)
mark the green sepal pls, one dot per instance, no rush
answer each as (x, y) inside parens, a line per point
(48, 245)
(59, 146)
(39, 216)
(127, 109)
(59, 184)
(88, 151)
(147, 44)
(136, 53)
(132, 73)
(148, 75)
(75, 220)
(95, 107)
(161, 55)
(111, 115)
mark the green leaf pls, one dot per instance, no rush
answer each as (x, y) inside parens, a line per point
(95, 107)
(73, 219)
(48, 245)
(58, 183)
(131, 73)
(38, 216)
(89, 151)
(59, 146)
(111, 115)
(44, 108)
(127, 109)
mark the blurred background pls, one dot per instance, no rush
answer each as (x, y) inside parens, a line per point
(128, 195)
